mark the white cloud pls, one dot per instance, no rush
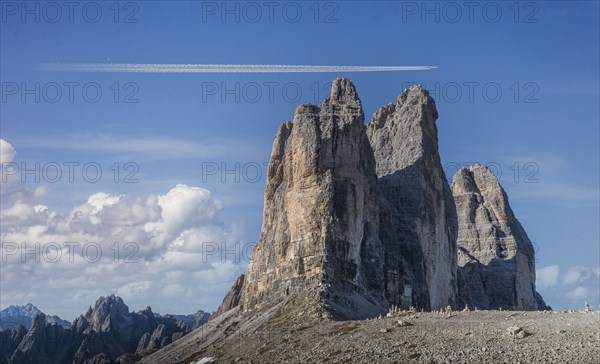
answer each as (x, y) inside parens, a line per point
(578, 293)
(572, 276)
(184, 207)
(570, 289)
(12, 189)
(547, 276)
(7, 152)
(175, 262)
(579, 274)
(134, 288)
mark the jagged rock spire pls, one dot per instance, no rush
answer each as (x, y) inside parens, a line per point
(320, 226)
(496, 258)
(343, 91)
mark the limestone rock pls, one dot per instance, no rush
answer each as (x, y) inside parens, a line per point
(232, 298)
(517, 332)
(541, 304)
(320, 230)
(418, 225)
(403, 323)
(496, 258)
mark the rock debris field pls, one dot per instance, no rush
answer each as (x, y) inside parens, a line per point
(420, 337)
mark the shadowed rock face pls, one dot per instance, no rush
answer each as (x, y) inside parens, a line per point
(43, 344)
(10, 339)
(418, 226)
(320, 228)
(232, 298)
(496, 258)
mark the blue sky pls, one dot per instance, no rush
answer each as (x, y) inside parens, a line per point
(542, 56)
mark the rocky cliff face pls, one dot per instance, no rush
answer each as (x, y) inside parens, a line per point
(108, 330)
(320, 228)
(232, 298)
(363, 216)
(418, 214)
(496, 258)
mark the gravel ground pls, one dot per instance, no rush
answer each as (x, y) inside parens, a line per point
(416, 337)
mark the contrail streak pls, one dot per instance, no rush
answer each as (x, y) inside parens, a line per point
(218, 68)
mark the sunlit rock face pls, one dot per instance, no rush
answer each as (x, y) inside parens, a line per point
(320, 231)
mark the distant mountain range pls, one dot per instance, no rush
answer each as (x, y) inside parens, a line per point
(13, 316)
(193, 321)
(108, 332)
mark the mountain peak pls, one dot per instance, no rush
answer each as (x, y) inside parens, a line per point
(111, 299)
(110, 308)
(15, 315)
(343, 91)
(415, 89)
